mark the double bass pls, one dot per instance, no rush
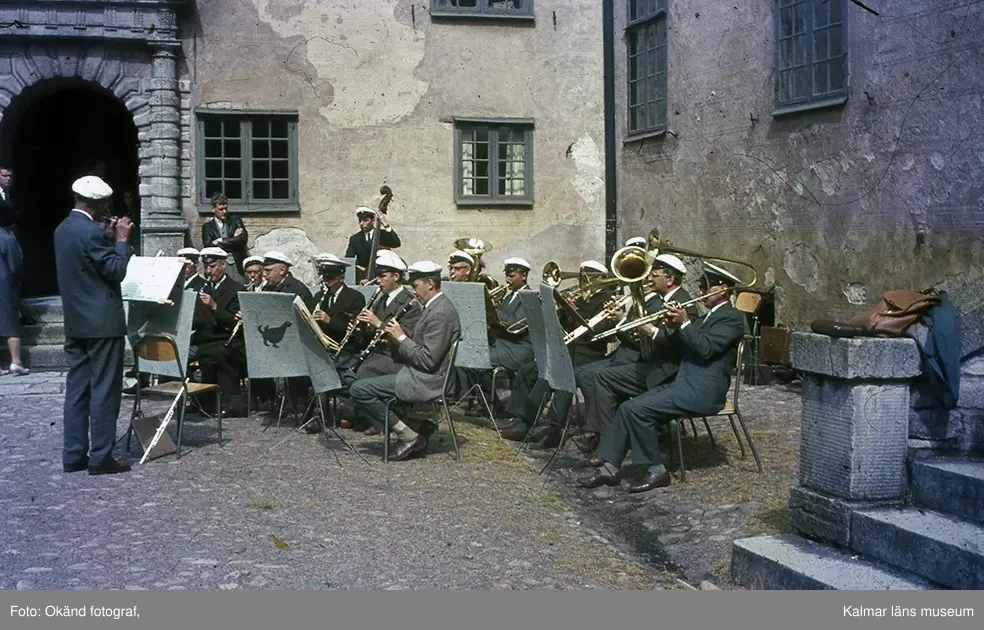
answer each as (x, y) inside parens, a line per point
(387, 194)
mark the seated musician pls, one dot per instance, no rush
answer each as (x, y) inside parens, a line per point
(222, 362)
(605, 388)
(701, 386)
(361, 357)
(360, 243)
(528, 390)
(276, 272)
(193, 281)
(461, 265)
(422, 359)
(335, 304)
(506, 350)
(253, 272)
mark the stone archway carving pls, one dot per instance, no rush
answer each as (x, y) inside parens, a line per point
(144, 79)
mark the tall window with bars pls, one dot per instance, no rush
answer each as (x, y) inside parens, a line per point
(483, 8)
(645, 37)
(811, 54)
(493, 162)
(250, 158)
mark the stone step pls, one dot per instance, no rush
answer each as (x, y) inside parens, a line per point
(937, 547)
(43, 334)
(47, 357)
(789, 562)
(950, 486)
(43, 310)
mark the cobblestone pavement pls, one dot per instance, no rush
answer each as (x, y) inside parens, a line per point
(245, 516)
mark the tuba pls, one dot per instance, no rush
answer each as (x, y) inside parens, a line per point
(494, 293)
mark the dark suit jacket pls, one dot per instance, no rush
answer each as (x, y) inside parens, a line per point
(226, 295)
(667, 351)
(584, 350)
(347, 305)
(235, 245)
(708, 345)
(196, 284)
(359, 248)
(290, 284)
(424, 355)
(628, 344)
(90, 270)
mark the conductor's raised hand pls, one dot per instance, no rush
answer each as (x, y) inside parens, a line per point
(123, 228)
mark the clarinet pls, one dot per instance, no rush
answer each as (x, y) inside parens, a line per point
(382, 331)
(355, 322)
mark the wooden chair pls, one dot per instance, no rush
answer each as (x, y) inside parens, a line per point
(731, 410)
(748, 302)
(162, 348)
(436, 404)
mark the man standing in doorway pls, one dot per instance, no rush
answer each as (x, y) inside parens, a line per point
(90, 271)
(226, 231)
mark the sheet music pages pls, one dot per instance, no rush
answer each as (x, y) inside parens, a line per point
(150, 278)
(312, 323)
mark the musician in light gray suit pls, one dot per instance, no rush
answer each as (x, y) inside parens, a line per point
(424, 358)
(90, 271)
(700, 388)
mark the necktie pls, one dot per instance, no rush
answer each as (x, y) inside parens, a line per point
(331, 301)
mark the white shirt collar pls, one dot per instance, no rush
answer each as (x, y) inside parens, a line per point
(83, 213)
(392, 294)
(430, 301)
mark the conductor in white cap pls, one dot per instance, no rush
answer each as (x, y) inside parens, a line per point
(90, 271)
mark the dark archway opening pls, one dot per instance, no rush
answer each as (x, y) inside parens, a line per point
(55, 132)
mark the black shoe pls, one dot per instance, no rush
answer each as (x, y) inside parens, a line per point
(549, 441)
(651, 482)
(77, 466)
(590, 443)
(404, 450)
(601, 478)
(109, 467)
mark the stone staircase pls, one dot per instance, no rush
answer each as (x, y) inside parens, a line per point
(936, 543)
(41, 342)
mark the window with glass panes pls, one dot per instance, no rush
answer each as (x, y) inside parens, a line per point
(811, 54)
(493, 163)
(645, 37)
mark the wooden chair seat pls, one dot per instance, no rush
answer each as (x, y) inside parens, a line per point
(172, 388)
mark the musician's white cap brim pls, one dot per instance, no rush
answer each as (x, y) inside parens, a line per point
(717, 275)
(188, 252)
(91, 187)
(594, 265)
(365, 210)
(672, 262)
(636, 241)
(517, 262)
(424, 269)
(460, 255)
(388, 258)
(252, 260)
(330, 260)
(274, 257)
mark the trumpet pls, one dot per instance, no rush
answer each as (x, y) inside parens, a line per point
(580, 331)
(355, 323)
(382, 331)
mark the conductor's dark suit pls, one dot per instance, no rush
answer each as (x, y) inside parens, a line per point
(617, 383)
(424, 359)
(360, 245)
(235, 245)
(700, 388)
(221, 364)
(90, 270)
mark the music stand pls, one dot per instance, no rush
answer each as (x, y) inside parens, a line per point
(473, 349)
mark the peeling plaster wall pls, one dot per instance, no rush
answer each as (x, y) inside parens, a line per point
(375, 85)
(841, 204)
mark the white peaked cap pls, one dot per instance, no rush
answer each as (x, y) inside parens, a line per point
(717, 274)
(365, 210)
(91, 187)
(672, 262)
(214, 252)
(517, 262)
(388, 258)
(276, 257)
(252, 260)
(636, 241)
(330, 260)
(424, 268)
(460, 255)
(594, 265)
(188, 252)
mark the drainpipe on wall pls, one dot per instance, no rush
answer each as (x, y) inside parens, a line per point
(611, 188)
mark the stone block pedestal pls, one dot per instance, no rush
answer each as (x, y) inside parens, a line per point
(855, 429)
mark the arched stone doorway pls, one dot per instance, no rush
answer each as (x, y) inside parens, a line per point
(59, 130)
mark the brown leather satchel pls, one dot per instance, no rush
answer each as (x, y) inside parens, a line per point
(897, 310)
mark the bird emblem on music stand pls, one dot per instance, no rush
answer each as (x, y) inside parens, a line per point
(273, 335)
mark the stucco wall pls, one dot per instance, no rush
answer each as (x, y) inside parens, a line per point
(836, 206)
(375, 84)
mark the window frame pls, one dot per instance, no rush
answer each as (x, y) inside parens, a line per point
(640, 24)
(482, 11)
(247, 205)
(461, 200)
(813, 101)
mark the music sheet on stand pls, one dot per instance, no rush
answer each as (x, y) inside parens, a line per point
(469, 300)
(273, 344)
(534, 318)
(560, 370)
(150, 278)
(176, 320)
